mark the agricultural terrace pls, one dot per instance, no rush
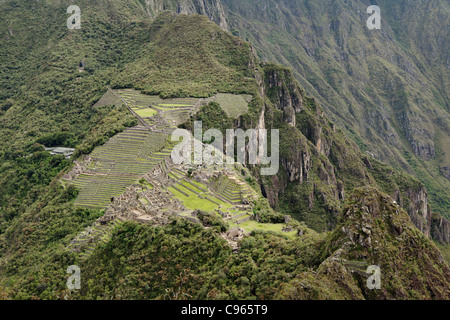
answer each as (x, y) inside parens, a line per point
(225, 195)
(129, 156)
(159, 114)
(109, 99)
(117, 164)
(233, 105)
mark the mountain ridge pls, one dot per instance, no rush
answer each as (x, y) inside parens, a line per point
(40, 218)
(365, 79)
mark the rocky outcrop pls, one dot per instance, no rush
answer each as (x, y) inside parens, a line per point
(379, 132)
(289, 116)
(440, 229)
(233, 236)
(445, 171)
(415, 202)
(384, 99)
(282, 88)
(273, 189)
(313, 152)
(418, 135)
(298, 167)
(213, 9)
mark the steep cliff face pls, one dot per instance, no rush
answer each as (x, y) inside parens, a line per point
(210, 8)
(387, 90)
(375, 230)
(189, 56)
(419, 211)
(281, 88)
(319, 164)
(334, 57)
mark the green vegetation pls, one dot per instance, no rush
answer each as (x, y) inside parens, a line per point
(46, 97)
(58, 139)
(146, 113)
(251, 226)
(233, 105)
(379, 222)
(212, 117)
(196, 68)
(116, 121)
(445, 250)
(145, 183)
(124, 159)
(186, 261)
(211, 220)
(193, 201)
(395, 109)
(199, 264)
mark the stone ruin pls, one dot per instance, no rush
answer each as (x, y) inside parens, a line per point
(78, 169)
(233, 237)
(139, 203)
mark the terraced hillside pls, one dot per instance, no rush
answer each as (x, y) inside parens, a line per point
(212, 190)
(47, 98)
(117, 164)
(234, 105)
(169, 191)
(93, 236)
(161, 115)
(167, 114)
(128, 156)
(131, 154)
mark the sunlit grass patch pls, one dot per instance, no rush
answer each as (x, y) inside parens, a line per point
(146, 113)
(173, 105)
(193, 202)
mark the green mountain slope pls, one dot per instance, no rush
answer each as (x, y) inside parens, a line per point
(58, 81)
(58, 77)
(388, 89)
(313, 266)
